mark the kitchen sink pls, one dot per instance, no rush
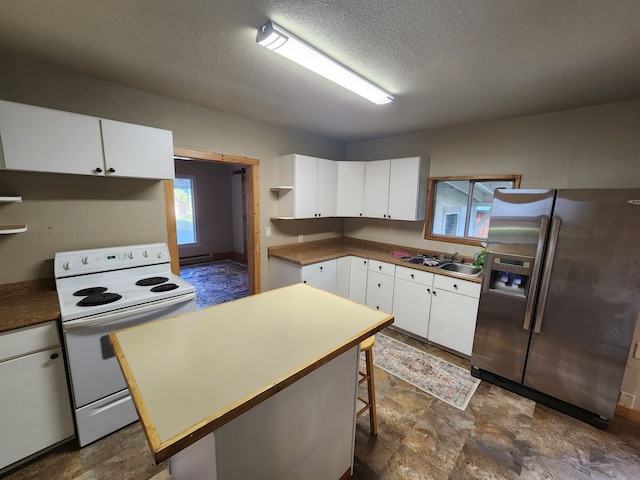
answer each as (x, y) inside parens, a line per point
(469, 270)
(416, 260)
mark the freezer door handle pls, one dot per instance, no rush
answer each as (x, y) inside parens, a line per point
(537, 265)
(546, 274)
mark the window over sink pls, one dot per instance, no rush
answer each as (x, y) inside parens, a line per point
(459, 208)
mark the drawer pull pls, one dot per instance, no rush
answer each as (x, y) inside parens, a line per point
(53, 356)
(412, 276)
(455, 285)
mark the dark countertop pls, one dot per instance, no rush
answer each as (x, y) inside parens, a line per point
(24, 304)
(321, 250)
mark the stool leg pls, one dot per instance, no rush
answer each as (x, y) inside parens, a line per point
(373, 416)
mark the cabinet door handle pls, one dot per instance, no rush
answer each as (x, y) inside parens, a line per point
(434, 293)
(378, 285)
(304, 281)
(98, 170)
(321, 268)
(412, 275)
(428, 290)
(112, 170)
(455, 285)
(379, 267)
(53, 356)
(364, 261)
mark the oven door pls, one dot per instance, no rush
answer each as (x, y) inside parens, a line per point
(93, 367)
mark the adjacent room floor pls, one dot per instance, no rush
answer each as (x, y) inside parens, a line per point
(499, 436)
(217, 282)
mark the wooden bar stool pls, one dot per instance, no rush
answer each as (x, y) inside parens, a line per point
(367, 376)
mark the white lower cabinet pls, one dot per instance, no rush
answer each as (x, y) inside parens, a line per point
(359, 271)
(454, 308)
(380, 280)
(412, 300)
(35, 412)
(321, 275)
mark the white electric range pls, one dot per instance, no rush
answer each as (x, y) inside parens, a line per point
(100, 291)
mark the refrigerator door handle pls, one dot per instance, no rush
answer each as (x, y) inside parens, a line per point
(546, 275)
(533, 290)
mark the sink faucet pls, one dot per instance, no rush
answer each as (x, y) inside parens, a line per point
(452, 258)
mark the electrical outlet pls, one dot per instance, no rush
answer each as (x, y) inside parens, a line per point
(267, 231)
(636, 354)
(300, 238)
(626, 399)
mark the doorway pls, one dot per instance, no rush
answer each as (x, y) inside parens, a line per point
(251, 203)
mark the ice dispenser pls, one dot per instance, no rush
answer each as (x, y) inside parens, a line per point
(508, 274)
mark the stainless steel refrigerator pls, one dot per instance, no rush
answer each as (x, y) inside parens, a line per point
(560, 297)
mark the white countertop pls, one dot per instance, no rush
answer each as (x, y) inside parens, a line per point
(193, 373)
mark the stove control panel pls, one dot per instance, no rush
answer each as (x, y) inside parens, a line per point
(96, 260)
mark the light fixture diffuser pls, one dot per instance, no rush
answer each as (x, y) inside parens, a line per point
(288, 45)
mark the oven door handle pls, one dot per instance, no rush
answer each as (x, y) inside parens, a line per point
(125, 312)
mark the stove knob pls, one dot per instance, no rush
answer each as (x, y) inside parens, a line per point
(159, 254)
(86, 260)
(131, 255)
(66, 265)
(145, 253)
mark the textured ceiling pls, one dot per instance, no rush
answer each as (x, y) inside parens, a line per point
(446, 61)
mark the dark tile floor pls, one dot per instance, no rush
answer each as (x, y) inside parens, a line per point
(499, 436)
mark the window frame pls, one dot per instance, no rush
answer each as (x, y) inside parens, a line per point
(192, 179)
(431, 201)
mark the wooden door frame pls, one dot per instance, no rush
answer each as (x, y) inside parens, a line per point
(251, 200)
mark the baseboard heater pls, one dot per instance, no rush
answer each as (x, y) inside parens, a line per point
(195, 259)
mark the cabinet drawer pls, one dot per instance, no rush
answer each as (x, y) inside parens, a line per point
(456, 285)
(414, 275)
(382, 267)
(27, 340)
(379, 303)
(380, 284)
(320, 267)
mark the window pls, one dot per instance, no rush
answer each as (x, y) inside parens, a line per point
(183, 194)
(459, 208)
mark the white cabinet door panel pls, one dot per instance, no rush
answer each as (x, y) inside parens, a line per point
(411, 305)
(358, 279)
(35, 412)
(453, 320)
(350, 189)
(137, 151)
(407, 189)
(305, 182)
(327, 188)
(45, 140)
(376, 189)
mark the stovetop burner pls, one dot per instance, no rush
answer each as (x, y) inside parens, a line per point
(164, 287)
(99, 299)
(147, 282)
(89, 291)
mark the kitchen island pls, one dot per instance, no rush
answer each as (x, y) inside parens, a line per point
(261, 387)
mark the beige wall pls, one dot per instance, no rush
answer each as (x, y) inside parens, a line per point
(66, 212)
(591, 147)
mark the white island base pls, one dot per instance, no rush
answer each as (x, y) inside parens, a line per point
(305, 431)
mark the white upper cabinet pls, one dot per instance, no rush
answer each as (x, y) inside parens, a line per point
(396, 188)
(45, 140)
(350, 189)
(307, 187)
(407, 188)
(326, 192)
(137, 151)
(376, 188)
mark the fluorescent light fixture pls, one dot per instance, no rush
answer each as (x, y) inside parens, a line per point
(279, 40)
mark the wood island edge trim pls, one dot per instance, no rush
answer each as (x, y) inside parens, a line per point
(150, 432)
(165, 450)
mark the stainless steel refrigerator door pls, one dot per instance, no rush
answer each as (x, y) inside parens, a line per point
(588, 300)
(519, 225)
